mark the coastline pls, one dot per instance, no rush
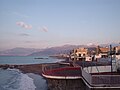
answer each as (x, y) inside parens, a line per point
(30, 68)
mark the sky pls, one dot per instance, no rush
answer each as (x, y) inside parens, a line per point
(49, 23)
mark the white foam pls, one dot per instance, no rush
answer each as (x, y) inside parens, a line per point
(26, 83)
(19, 82)
(13, 69)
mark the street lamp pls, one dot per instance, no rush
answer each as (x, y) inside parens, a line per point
(111, 56)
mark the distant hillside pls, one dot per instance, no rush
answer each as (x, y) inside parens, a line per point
(18, 52)
(38, 52)
(56, 50)
(65, 49)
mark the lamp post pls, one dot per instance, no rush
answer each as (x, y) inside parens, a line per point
(111, 56)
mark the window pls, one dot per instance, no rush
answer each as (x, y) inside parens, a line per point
(79, 55)
(83, 54)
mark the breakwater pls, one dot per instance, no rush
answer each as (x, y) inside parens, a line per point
(31, 68)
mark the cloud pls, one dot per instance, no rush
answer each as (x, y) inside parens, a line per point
(24, 34)
(24, 25)
(20, 15)
(44, 29)
(91, 44)
(28, 42)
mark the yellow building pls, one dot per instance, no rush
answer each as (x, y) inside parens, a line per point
(79, 54)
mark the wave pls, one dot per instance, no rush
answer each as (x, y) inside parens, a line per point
(13, 79)
(26, 83)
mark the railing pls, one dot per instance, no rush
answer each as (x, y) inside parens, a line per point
(87, 76)
(49, 67)
(101, 79)
(105, 80)
(57, 71)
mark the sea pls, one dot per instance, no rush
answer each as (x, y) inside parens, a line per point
(14, 79)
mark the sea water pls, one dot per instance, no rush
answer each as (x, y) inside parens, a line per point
(27, 60)
(13, 79)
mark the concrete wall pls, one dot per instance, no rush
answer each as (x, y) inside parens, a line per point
(57, 84)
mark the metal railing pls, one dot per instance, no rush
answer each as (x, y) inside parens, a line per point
(97, 79)
(106, 80)
(87, 76)
(49, 67)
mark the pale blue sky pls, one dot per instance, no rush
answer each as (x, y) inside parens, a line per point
(47, 23)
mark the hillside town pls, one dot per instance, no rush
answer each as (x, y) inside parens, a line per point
(94, 53)
(91, 53)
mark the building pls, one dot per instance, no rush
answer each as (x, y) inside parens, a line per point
(102, 52)
(79, 54)
(92, 53)
(117, 49)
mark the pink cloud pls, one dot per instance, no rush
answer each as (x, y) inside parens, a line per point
(24, 25)
(45, 29)
(24, 34)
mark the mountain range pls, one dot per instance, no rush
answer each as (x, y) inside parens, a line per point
(55, 50)
(38, 52)
(47, 51)
(18, 51)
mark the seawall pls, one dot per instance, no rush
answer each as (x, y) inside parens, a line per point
(62, 84)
